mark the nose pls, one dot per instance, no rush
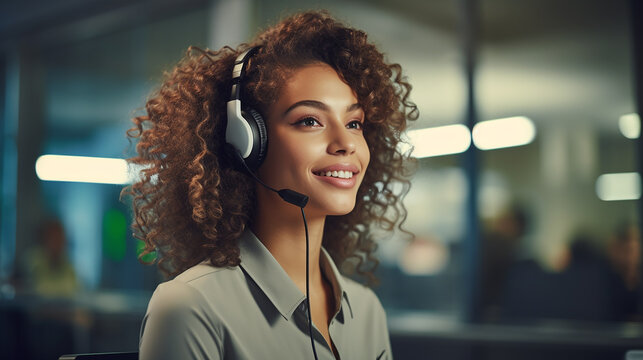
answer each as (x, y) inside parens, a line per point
(342, 142)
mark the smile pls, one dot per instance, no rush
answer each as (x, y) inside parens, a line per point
(337, 178)
(336, 174)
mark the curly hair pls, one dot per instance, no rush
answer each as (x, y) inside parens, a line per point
(191, 204)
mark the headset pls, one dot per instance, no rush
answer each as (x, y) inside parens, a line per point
(246, 134)
(247, 140)
(246, 129)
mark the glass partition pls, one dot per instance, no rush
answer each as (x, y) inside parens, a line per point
(560, 240)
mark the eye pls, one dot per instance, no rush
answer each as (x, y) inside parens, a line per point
(355, 124)
(308, 121)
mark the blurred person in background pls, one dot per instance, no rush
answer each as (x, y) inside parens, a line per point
(585, 271)
(47, 270)
(624, 255)
(500, 244)
(47, 274)
(582, 288)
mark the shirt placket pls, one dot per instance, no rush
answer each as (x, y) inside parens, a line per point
(301, 318)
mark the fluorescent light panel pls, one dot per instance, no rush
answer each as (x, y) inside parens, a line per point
(441, 140)
(619, 186)
(503, 133)
(82, 169)
(630, 125)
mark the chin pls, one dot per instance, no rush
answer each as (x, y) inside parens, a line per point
(336, 209)
(340, 213)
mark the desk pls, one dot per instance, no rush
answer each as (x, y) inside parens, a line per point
(424, 335)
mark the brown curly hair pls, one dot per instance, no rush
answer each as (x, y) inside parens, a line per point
(192, 204)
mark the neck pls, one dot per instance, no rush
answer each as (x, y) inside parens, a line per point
(280, 227)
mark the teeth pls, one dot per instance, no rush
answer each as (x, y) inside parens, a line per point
(337, 174)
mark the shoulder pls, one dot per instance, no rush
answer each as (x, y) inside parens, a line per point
(200, 272)
(192, 289)
(181, 321)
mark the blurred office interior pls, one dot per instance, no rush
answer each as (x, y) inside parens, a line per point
(525, 204)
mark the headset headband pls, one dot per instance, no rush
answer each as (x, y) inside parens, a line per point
(239, 71)
(244, 133)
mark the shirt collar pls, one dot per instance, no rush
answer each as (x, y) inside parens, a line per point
(273, 280)
(266, 272)
(336, 280)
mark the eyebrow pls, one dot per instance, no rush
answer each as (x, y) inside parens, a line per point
(319, 105)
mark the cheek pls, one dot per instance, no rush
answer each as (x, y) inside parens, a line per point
(365, 154)
(290, 153)
(279, 146)
(304, 153)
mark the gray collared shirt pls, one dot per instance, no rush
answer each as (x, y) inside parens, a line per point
(255, 311)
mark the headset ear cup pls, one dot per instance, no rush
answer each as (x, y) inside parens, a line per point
(260, 137)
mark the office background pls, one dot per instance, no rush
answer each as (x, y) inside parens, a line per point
(525, 203)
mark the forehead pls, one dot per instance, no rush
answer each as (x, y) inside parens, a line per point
(316, 81)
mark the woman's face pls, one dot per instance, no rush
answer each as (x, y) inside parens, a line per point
(316, 144)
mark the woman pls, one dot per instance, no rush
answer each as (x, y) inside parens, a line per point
(334, 112)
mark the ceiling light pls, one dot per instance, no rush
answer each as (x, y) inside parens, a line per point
(82, 169)
(630, 125)
(503, 133)
(437, 141)
(619, 186)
